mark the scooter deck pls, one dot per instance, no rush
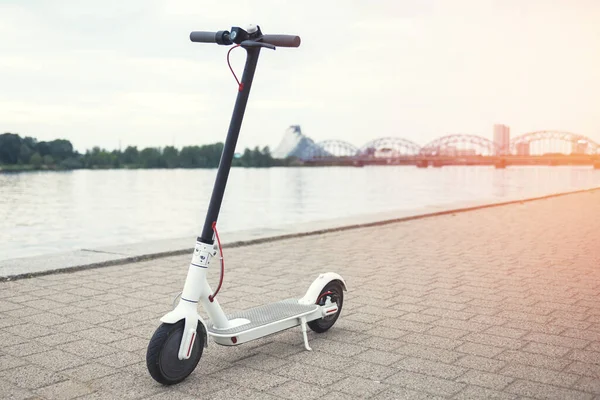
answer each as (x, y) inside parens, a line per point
(264, 315)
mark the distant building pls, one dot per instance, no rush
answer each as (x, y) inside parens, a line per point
(293, 144)
(502, 138)
(522, 149)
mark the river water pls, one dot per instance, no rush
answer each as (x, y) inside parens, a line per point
(50, 212)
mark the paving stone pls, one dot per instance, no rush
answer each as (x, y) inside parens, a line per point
(337, 348)
(378, 357)
(546, 349)
(55, 360)
(400, 393)
(10, 391)
(247, 377)
(206, 385)
(73, 326)
(263, 362)
(535, 327)
(389, 333)
(590, 385)
(25, 349)
(429, 353)
(404, 325)
(577, 367)
(540, 375)
(432, 368)
(125, 386)
(543, 391)
(480, 363)
(430, 340)
(425, 383)
(420, 317)
(46, 319)
(7, 306)
(325, 360)
(380, 343)
(87, 349)
(172, 395)
(311, 374)
(584, 356)
(63, 390)
(476, 393)
(281, 350)
(11, 339)
(10, 362)
(294, 389)
(360, 387)
(447, 332)
(32, 331)
(493, 340)
(445, 313)
(477, 349)
(101, 335)
(535, 360)
(364, 317)
(89, 371)
(556, 340)
(236, 392)
(130, 344)
(369, 371)
(485, 379)
(506, 332)
(31, 376)
(119, 359)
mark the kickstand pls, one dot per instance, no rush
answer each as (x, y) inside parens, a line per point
(303, 323)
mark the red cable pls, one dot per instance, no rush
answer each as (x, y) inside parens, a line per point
(240, 84)
(321, 296)
(212, 296)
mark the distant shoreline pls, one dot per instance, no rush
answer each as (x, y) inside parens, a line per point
(30, 168)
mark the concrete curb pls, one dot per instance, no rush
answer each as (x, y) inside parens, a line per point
(240, 243)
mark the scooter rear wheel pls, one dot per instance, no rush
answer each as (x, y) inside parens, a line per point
(161, 357)
(337, 296)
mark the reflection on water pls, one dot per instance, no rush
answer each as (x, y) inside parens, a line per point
(48, 212)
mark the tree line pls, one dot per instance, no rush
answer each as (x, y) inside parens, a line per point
(29, 153)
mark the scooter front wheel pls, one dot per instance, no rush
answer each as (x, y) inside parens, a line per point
(335, 291)
(161, 357)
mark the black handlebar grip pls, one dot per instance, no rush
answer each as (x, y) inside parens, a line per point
(203, 37)
(282, 40)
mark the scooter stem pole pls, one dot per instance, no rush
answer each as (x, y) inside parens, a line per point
(229, 147)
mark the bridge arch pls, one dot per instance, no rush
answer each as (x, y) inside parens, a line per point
(449, 145)
(389, 147)
(550, 141)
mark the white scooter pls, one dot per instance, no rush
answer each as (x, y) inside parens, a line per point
(177, 344)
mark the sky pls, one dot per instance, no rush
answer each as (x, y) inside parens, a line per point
(118, 73)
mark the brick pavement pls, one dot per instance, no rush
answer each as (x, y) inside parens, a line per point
(496, 303)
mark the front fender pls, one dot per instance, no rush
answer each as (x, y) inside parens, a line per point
(312, 294)
(182, 311)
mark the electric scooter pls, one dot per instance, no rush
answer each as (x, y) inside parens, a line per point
(178, 343)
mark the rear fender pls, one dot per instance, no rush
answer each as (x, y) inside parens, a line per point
(312, 294)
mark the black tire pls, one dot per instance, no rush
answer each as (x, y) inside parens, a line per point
(337, 296)
(161, 357)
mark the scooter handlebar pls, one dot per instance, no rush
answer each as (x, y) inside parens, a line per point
(203, 37)
(224, 37)
(282, 40)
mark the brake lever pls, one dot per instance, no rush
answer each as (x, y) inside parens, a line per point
(253, 43)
